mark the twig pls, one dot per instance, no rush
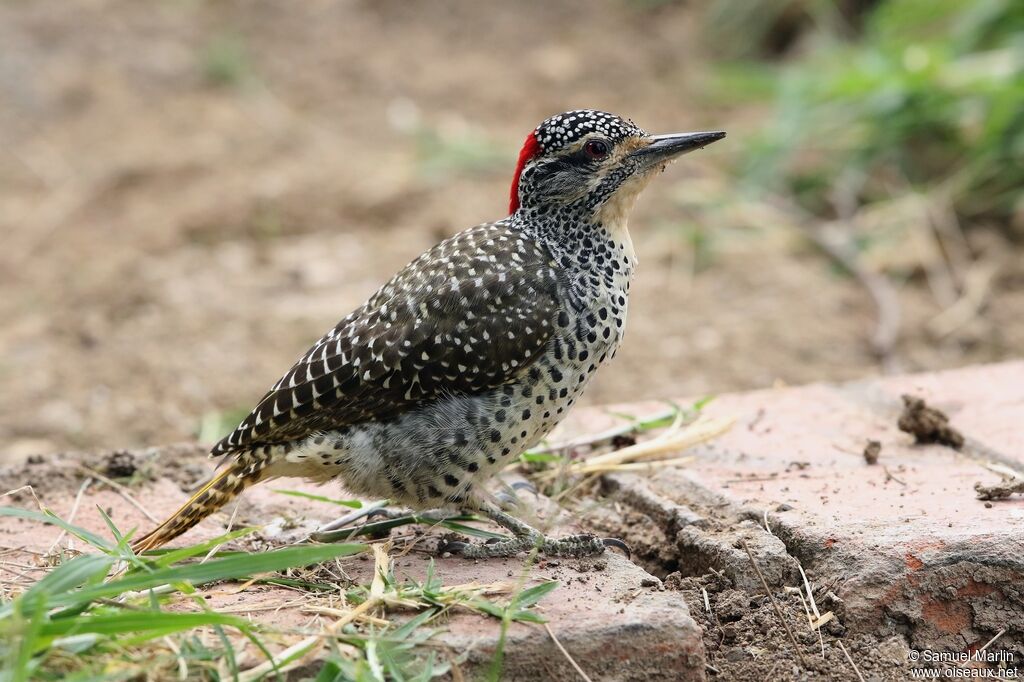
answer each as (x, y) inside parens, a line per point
(890, 477)
(1003, 470)
(977, 286)
(299, 649)
(32, 491)
(887, 306)
(992, 641)
(1013, 482)
(231, 524)
(182, 664)
(810, 618)
(338, 613)
(999, 491)
(847, 654)
(585, 481)
(588, 468)
(775, 605)
(120, 490)
(572, 661)
(937, 267)
(818, 619)
(752, 479)
(118, 605)
(71, 515)
(810, 593)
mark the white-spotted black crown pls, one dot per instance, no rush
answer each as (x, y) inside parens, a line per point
(564, 129)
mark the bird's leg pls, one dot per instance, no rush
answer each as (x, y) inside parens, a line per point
(526, 538)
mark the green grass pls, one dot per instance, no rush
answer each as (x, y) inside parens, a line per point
(84, 611)
(215, 425)
(925, 100)
(441, 156)
(225, 61)
(109, 614)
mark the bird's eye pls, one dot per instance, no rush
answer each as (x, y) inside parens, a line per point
(596, 149)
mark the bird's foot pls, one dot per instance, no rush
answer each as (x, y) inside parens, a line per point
(582, 545)
(526, 538)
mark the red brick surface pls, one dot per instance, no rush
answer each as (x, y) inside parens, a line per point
(905, 544)
(912, 549)
(608, 613)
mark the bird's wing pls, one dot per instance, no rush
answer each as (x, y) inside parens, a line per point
(470, 314)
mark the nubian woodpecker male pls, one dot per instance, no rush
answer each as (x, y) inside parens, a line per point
(472, 353)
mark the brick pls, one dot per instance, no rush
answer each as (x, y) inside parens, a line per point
(910, 552)
(612, 616)
(913, 550)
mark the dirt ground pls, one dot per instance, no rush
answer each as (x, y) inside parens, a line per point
(191, 193)
(744, 641)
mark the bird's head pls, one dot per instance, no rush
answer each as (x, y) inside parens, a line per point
(593, 161)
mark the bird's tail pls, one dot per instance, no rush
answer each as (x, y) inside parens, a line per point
(238, 474)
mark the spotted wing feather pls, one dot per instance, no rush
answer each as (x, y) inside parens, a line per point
(470, 314)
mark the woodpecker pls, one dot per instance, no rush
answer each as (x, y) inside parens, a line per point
(472, 353)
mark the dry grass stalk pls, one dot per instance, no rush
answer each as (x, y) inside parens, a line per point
(572, 661)
(775, 606)
(604, 437)
(645, 454)
(293, 655)
(120, 490)
(589, 468)
(848, 658)
(71, 515)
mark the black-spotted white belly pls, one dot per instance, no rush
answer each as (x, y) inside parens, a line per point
(438, 453)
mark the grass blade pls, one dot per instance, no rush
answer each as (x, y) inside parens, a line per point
(150, 623)
(532, 595)
(66, 577)
(175, 555)
(218, 569)
(353, 504)
(52, 519)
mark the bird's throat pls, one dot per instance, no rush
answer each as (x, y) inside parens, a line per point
(613, 214)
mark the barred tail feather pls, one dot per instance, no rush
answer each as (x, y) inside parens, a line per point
(237, 475)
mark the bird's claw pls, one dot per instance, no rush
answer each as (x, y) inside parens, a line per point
(506, 500)
(618, 544)
(524, 485)
(453, 547)
(385, 512)
(509, 499)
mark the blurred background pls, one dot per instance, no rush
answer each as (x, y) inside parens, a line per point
(192, 192)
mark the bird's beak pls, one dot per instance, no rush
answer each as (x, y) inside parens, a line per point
(667, 147)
